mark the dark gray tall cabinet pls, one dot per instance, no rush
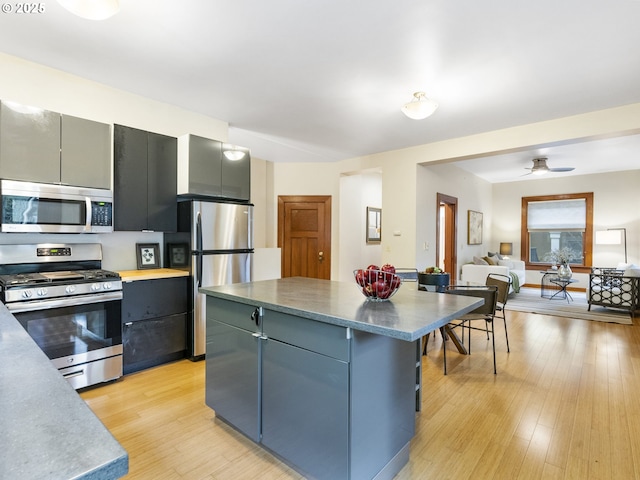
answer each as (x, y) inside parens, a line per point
(145, 176)
(47, 147)
(205, 170)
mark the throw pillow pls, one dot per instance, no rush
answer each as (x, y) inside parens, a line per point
(479, 261)
(632, 271)
(495, 254)
(490, 260)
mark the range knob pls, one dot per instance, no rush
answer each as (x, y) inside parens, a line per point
(95, 287)
(70, 289)
(107, 285)
(27, 293)
(41, 292)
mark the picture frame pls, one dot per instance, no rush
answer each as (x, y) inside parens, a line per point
(148, 255)
(374, 225)
(178, 254)
(474, 227)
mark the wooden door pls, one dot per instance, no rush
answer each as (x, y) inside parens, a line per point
(446, 234)
(304, 235)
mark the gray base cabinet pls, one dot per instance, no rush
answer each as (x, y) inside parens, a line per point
(154, 322)
(332, 402)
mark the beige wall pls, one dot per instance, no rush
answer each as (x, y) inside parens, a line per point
(616, 205)
(406, 189)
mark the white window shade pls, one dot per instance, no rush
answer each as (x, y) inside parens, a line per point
(557, 215)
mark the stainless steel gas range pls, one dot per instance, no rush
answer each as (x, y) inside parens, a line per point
(69, 305)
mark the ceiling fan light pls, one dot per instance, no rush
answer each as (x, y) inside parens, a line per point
(420, 107)
(92, 9)
(539, 171)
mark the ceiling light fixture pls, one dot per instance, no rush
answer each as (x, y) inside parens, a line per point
(420, 107)
(92, 9)
(232, 152)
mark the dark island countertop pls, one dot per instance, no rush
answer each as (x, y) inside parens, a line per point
(408, 315)
(46, 430)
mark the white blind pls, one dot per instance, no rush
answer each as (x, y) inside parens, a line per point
(557, 215)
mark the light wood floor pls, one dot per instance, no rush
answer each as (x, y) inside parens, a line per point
(565, 404)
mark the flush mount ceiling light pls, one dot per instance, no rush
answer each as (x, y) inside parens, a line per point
(420, 107)
(92, 9)
(232, 152)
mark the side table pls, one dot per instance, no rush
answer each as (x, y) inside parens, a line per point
(547, 288)
(563, 284)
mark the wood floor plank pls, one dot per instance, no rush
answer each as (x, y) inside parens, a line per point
(564, 405)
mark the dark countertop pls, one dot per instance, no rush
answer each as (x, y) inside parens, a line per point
(46, 430)
(408, 315)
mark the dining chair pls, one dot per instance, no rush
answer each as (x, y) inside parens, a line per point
(485, 313)
(407, 274)
(503, 282)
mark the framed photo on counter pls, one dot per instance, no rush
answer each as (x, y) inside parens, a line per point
(178, 255)
(148, 255)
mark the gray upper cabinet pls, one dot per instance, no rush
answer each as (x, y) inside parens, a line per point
(205, 170)
(46, 147)
(29, 144)
(144, 191)
(85, 155)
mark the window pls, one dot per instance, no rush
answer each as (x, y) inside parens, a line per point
(553, 223)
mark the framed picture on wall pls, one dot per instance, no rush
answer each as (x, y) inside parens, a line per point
(374, 225)
(148, 255)
(474, 228)
(178, 255)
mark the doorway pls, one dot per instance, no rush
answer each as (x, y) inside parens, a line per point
(304, 235)
(446, 234)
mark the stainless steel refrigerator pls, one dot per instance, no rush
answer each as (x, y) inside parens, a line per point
(221, 246)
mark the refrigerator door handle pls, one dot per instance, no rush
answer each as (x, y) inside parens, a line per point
(199, 232)
(199, 269)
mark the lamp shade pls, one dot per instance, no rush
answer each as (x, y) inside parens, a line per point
(92, 9)
(609, 237)
(420, 107)
(506, 248)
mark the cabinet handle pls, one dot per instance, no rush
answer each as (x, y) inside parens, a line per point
(256, 316)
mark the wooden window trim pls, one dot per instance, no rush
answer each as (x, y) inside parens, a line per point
(588, 233)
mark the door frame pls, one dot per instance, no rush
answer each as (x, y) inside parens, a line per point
(450, 232)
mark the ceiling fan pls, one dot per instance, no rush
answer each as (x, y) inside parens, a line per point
(540, 167)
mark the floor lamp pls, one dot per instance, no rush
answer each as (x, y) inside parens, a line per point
(613, 236)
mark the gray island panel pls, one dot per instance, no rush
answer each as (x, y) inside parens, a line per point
(46, 430)
(408, 316)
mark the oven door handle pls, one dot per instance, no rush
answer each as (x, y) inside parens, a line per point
(19, 307)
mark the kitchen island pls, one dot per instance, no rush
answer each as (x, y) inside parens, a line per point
(319, 376)
(46, 430)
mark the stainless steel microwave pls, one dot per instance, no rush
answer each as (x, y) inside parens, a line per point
(44, 208)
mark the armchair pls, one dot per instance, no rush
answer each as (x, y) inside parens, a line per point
(615, 288)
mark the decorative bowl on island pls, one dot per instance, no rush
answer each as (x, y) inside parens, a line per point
(378, 284)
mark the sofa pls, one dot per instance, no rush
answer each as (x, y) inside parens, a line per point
(615, 287)
(476, 273)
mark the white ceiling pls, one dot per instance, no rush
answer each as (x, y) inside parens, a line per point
(323, 80)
